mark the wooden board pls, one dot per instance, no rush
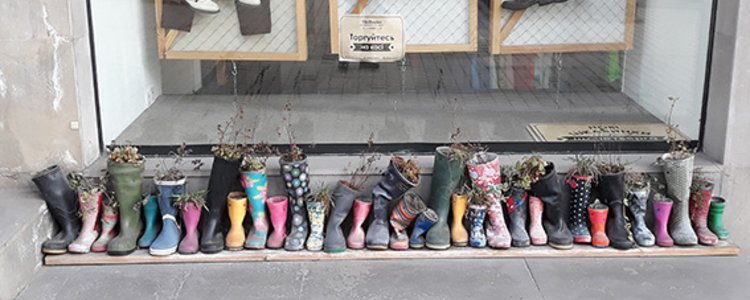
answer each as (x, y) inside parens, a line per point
(724, 248)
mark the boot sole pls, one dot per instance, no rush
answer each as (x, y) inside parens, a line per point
(163, 252)
(54, 251)
(441, 247)
(334, 251)
(560, 247)
(235, 248)
(460, 244)
(120, 253)
(377, 247)
(420, 246)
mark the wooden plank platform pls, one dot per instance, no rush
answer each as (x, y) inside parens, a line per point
(724, 248)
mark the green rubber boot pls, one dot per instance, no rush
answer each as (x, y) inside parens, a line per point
(715, 221)
(445, 177)
(126, 180)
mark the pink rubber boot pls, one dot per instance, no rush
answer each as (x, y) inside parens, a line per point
(536, 230)
(277, 206)
(191, 215)
(90, 205)
(356, 238)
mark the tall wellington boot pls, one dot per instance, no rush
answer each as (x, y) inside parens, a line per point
(484, 172)
(256, 187)
(612, 191)
(300, 228)
(459, 235)
(423, 223)
(169, 236)
(224, 174)
(446, 174)
(580, 193)
(108, 221)
(343, 198)
(700, 201)
(662, 210)
(679, 176)
(237, 208)
(62, 205)
(152, 221)
(598, 216)
(296, 179)
(403, 214)
(715, 218)
(277, 206)
(191, 216)
(477, 238)
(638, 197)
(126, 180)
(524, 4)
(536, 230)
(393, 186)
(316, 213)
(548, 189)
(356, 238)
(90, 204)
(519, 235)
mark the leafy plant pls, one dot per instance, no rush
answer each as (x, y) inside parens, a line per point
(295, 153)
(127, 154)
(584, 166)
(408, 168)
(256, 156)
(679, 148)
(322, 195)
(228, 134)
(480, 196)
(365, 168)
(508, 179)
(172, 172)
(196, 198)
(530, 170)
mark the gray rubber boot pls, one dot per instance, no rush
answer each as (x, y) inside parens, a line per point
(343, 198)
(679, 176)
(638, 198)
(518, 233)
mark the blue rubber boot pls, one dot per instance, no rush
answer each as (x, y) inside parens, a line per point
(423, 223)
(151, 218)
(169, 237)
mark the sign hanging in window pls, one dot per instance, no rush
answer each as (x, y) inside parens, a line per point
(371, 38)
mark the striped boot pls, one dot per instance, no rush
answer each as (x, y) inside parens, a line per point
(403, 214)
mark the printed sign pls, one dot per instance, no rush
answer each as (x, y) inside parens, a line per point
(371, 38)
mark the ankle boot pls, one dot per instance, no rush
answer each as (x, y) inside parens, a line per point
(700, 200)
(638, 197)
(126, 180)
(296, 179)
(191, 216)
(277, 206)
(477, 239)
(459, 235)
(62, 205)
(580, 193)
(497, 232)
(393, 186)
(679, 175)
(423, 223)
(715, 221)
(662, 210)
(169, 236)
(223, 176)
(343, 197)
(524, 4)
(108, 221)
(612, 192)
(598, 216)
(518, 233)
(548, 189)
(445, 177)
(90, 204)
(536, 231)
(484, 172)
(296, 239)
(255, 184)
(237, 208)
(316, 212)
(403, 214)
(152, 220)
(356, 239)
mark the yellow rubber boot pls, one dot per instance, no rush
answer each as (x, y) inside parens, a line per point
(237, 208)
(459, 235)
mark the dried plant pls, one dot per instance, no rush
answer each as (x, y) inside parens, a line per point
(322, 195)
(700, 182)
(408, 168)
(583, 166)
(256, 156)
(196, 198)
(126, 154)
(679, 148)
(295, 153)
(611, 165)
(530, 170)
(228, 134)
(462, 151)
(659, 197)
(165, 172)
(366, 166)
(638, 180)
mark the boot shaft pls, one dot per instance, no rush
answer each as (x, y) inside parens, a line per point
(495, 215)
(447, 173)
(190, 216)
(598, 217)
(393, 185)
(425, 221)
(237, 206)
(679, 175)
(700, 201)
(278, 206)
(406, 211)
(459, 203)
(361, 210)
(255, 184)
(168, 190)
(484, 172)
(296, 178)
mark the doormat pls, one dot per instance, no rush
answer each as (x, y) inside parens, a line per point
(588, 132)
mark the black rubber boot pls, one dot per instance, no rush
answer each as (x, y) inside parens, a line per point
(518, 233)
(223, 176)
(343, 199)
(524, 4)
(62, 205)
(393, 186)
(612, 192)
(548, 189)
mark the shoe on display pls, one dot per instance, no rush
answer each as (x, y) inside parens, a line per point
(250, 2)
(207, 6)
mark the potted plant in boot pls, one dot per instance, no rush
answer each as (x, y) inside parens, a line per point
(541, 178)
(479, 200)
(295, 172)
(662, 210)
(90, 198)
(611, 188)
(638, 190)
(255, 181)
(410, 206)
(484, 173)
(110, 215)
(701, 192)
(580, 176)
(62, 205)
(318, 206)
(190, 206)
(402, 175)
(125, 166)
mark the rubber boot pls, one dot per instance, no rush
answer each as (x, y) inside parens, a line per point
(679, 175)
(169, 236)
(224, 174)
(403, 214)
(598, 216)
(446, 174)
(356, 238)
(392, 186)
(296, 180)
(524, 4)
(715, 218)
(459, 235)
(277, 206)
(191, 216)
(484, 172)
(90, 205)
(548, 189)
(126, 180)
(343, 198)
(108, 221)
(580, 193)
(296, 239)
(536, 230)
(316, 212)
(423, 223)
(237, 209)
(662, 210)
(62, 205)
(477, 238)
(519, 235)
(700, 201)
(256, 188)
(611, 192)
(637, 205)
(152, 221)
(495, 225)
